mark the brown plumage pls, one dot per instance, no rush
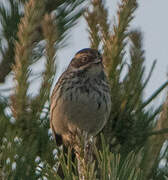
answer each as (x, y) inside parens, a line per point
(81, 98)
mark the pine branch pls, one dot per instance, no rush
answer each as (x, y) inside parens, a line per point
(51, 36)
(9, 21)
(92, 21)
(128, 125)
(149, 75)
(115, 49)
(114, 166)
(102, 17)
(97, 22)
(133, 86)
(156, 93)
(163, 131)
(114, 59)
(100, 29)
(155, 143)
(64, 17)
(27, 118)
(26, 35)
(156, 112)
(4, 119)
(128, 98)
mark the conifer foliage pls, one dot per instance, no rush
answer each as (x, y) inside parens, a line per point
(133, 144)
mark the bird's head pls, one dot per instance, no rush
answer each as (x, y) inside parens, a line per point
(87, 59)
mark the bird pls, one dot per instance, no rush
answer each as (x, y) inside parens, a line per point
(81, 99)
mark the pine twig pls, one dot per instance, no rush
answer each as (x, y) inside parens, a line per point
(156, 93)
(125, 15)
(83, 146)
(9, 21)
(97, 22)
(155, 143)
(132, 85)
(163, 131)
(50, 34)
(65, 18)
(113, 59)
(26, 35)
(92, 21)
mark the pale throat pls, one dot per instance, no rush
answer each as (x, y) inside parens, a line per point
(95, 70)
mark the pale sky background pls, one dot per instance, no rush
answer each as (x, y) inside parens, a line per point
(151, 18)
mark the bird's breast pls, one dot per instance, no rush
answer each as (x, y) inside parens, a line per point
(85, 103)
